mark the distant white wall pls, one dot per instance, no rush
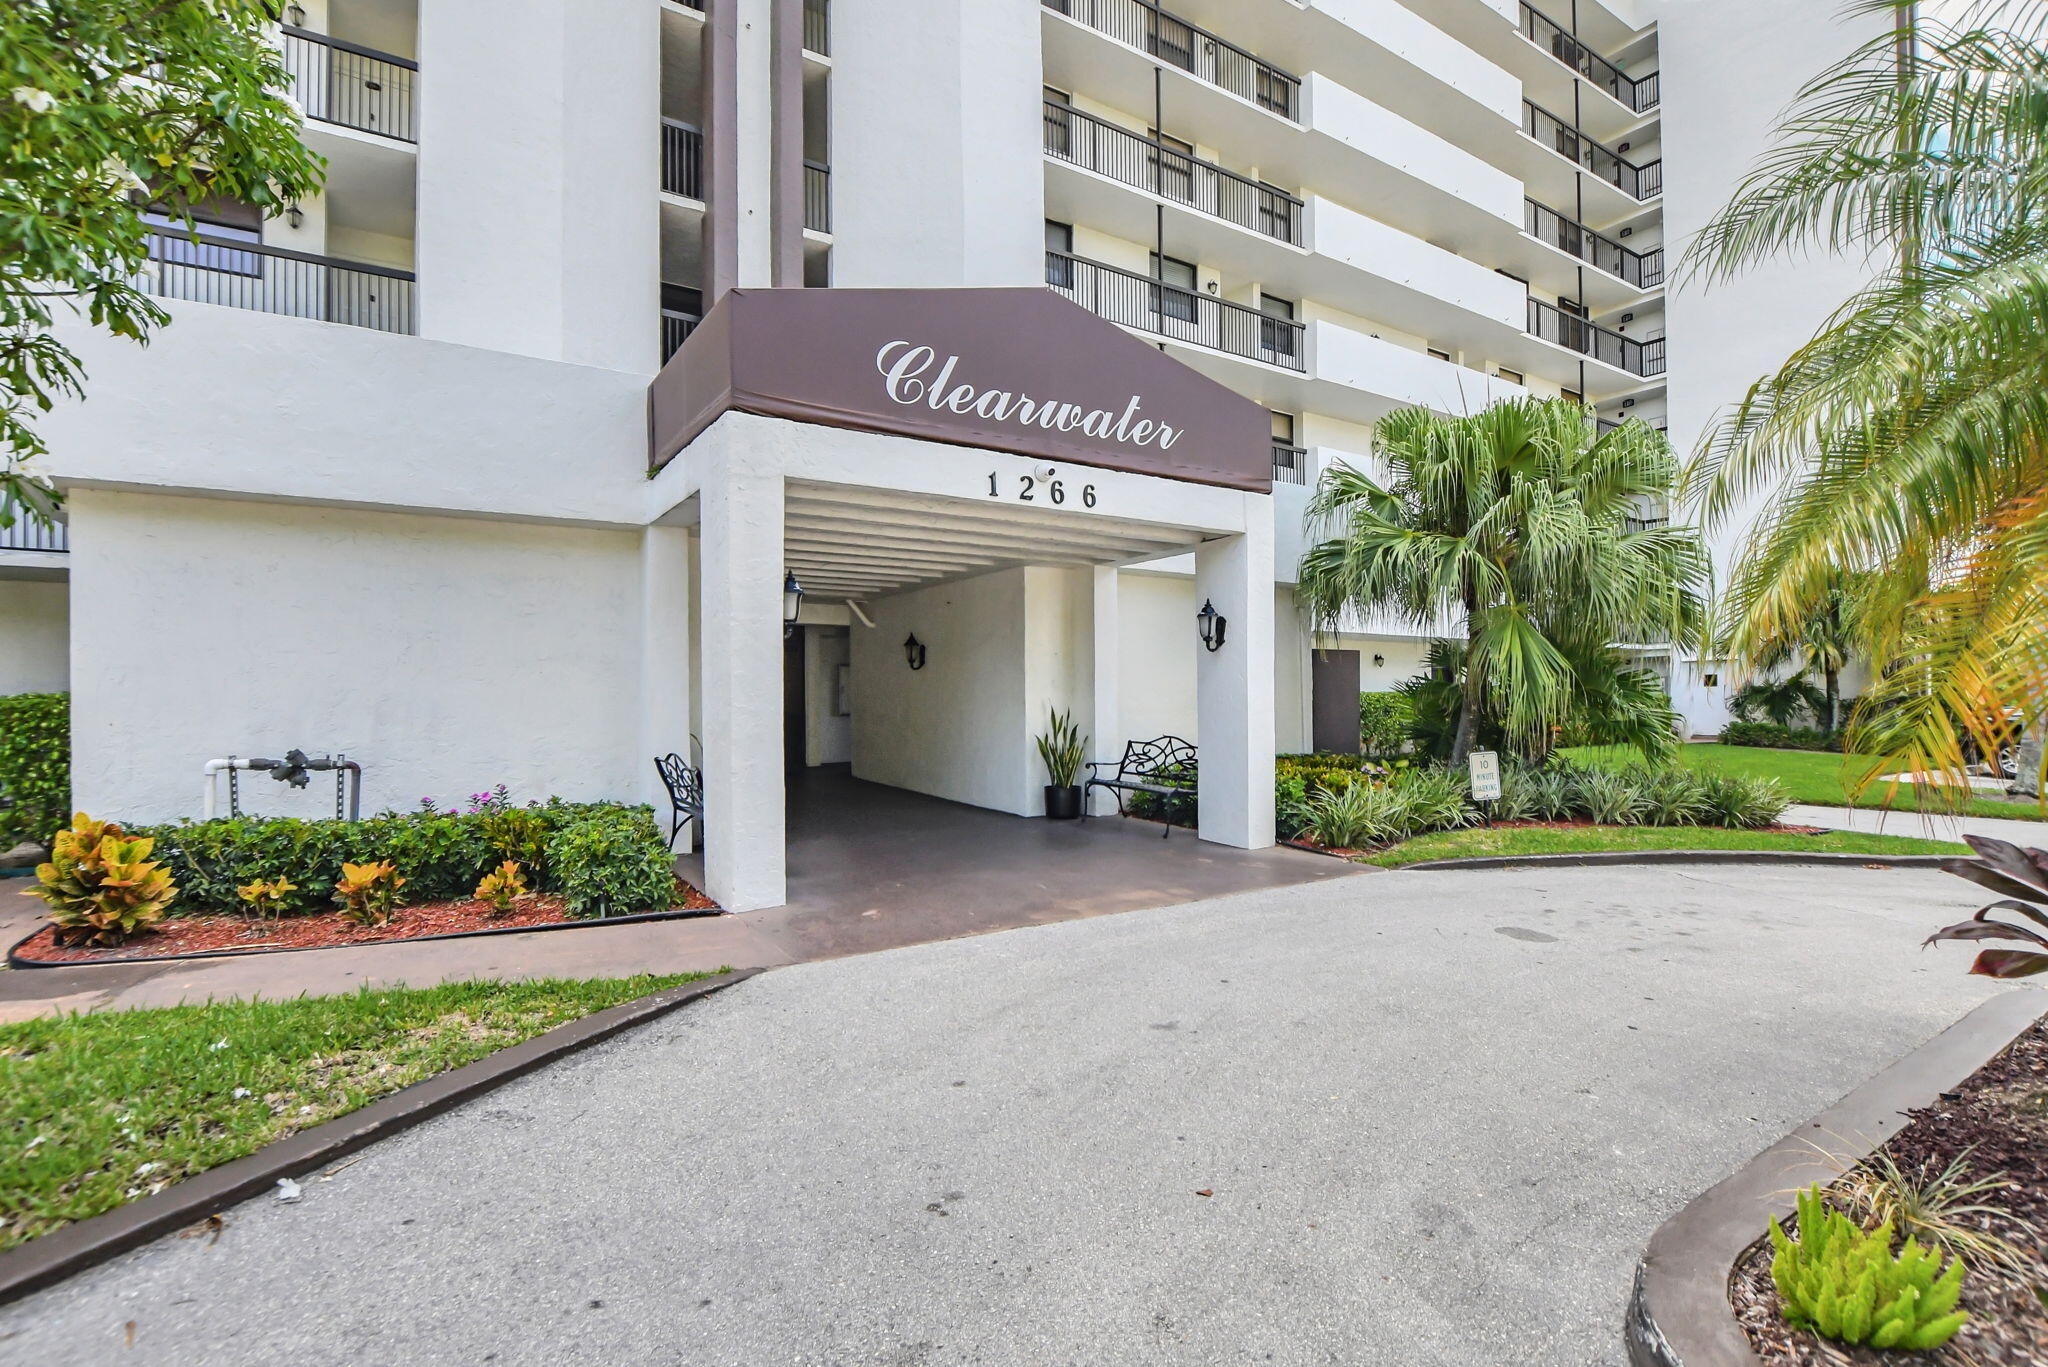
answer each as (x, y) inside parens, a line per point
(446, 655)
(35, 636)
(937, 175)
(828, 736)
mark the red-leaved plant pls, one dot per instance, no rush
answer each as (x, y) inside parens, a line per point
(2022, 877)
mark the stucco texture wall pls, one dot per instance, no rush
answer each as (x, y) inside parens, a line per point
(35, 636)
(445, 655)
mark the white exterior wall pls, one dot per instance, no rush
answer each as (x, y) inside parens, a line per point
(828, 736)
(443, 654)
(35, 636)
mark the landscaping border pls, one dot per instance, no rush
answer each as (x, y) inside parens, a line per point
(1823, 858)
(43, 1261)
(15, 961)
(1679, 1314)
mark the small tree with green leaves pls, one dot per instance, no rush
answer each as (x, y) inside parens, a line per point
(108, 107)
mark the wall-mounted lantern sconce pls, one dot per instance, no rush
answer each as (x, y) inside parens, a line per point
(1379, 662)
(1212, 625)
(295, 215)
(913, 651)
(792, 601)
(296, 14)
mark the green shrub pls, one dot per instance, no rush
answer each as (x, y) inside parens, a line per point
(1385, 723)
(1290, 805)
(35, 767)
(1846, 1284)
(1555, 793)
(1434, 800)
(1362, 814)
(1771, 736)
(1673, 797)
(101, 885)
(1741, 803)
(441, 855)
(612, 863)
(1520, 795)
(1611, 797)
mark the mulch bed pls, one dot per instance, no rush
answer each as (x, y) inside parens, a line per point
(219, 934)
(2001, 1116)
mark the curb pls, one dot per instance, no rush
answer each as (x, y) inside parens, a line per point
(1679, 1315)
(1822, 859)
(196, 955)
(64, 1252)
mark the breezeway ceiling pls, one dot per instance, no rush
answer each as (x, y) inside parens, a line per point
(844, 542)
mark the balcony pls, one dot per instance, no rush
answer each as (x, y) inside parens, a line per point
(682, 159)
(1094, 145)
(349, 86)
(1180, 315)
(1570, 331)
(1639, 95)
(817, 28)
(1290, 463)
(1644, 270)
(249, 275)
(27, 534)
(1638, 182)
(817, 197)
(676, 327)
(1191, 48)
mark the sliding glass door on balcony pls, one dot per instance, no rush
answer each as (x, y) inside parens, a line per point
(1644, 270)
(356, 87)
(1640, 182)
(1639, 94)
(1575, 332)
(1195, 50)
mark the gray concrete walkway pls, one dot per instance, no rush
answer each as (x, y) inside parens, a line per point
(2030, 834)
(1424, 1119)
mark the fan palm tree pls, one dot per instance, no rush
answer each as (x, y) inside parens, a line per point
(1823, 642)
(1907, 442)
(1521, 524)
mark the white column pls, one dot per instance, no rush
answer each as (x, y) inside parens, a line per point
(755, 108)
(1106, 738)
(741, 571)
(1234, 685)
(664, 662)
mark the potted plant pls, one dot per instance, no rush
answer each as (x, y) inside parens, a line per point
(1062, 746)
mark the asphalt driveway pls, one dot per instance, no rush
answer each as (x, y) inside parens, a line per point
(1416, 1118)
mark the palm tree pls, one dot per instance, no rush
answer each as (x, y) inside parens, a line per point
(1823, 642)
(1520, 524)
(1907, 442)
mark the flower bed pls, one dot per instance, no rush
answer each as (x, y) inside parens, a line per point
(1996, 1126)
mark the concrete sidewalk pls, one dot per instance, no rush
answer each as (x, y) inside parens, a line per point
(1414, 1119)
(2028, 834)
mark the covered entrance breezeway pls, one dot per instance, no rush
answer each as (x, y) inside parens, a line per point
(961, 550)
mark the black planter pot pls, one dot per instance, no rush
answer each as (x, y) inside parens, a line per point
(1062, 804)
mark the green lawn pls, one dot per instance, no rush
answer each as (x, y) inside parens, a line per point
(97, 1110)
(1810, 776)
(1519, 840)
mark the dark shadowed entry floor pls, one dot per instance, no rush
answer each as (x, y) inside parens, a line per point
(871, 867)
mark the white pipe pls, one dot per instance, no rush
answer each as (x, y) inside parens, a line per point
(861, 613)
(213, 769)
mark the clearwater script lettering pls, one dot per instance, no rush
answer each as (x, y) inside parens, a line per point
(904, 368)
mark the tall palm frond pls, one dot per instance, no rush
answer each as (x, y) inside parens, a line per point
(1905, 445)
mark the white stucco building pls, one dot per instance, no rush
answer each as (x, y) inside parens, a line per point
(408, 477)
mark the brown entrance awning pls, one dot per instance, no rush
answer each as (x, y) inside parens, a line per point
(1019, 370)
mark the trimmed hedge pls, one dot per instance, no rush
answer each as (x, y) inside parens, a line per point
(35, 766)
(1769, 735)
(1386, 722)
(602, 858)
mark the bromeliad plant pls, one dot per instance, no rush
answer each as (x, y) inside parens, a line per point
(2021, 876)
(1845, 1283)
(101, 884)
(368, 892)
(1063, 748)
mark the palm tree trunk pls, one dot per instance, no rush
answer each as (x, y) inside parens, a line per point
(1834, 689)
(1468, 700)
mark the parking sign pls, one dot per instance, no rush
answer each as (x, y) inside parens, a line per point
(1485, 767)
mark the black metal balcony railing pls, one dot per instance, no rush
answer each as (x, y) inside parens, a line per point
(1644, 524)
(1644, 270)
(1120, 154)
(682, 159)
(1588, 338)
(1290, 463)
(1144, 25)
(27, 534)
(1182, 315)
(248, 275)
(1638, 94)
(817, 28)
(357, 87)
(817, 197)
(1641, 182)
(676, 327)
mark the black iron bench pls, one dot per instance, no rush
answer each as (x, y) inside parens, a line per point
(685, 793)
(1163, 768)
